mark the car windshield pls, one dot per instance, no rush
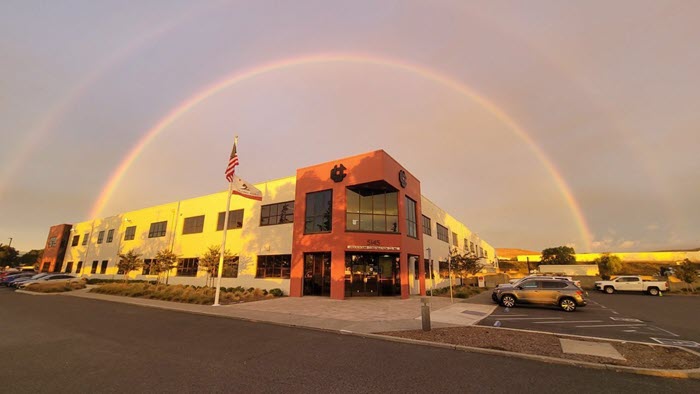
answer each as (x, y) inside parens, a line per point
(37, 276)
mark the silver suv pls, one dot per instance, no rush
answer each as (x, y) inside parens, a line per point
(563, 293)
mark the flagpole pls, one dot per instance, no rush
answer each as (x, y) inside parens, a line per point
(223, 240)
(223, 246)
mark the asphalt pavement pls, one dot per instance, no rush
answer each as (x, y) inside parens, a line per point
(67, 344)
(670, 319)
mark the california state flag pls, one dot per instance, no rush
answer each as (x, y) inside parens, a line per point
(245, 189)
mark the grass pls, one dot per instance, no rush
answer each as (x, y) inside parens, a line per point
(55, 287)
(185, 293)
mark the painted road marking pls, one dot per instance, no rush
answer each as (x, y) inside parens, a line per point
(506, 315)
(626, 319)
(614, 312)
(667, 331)
(568, 322)
(613, 325)
(530, 318)
(676, 342)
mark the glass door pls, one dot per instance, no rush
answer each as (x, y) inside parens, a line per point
(317, 274)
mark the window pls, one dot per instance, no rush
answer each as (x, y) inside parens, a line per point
(193, 225)
(411, 221)
(130, 233)
(444, 269)
(554, 284)
(110, 235)
(372, 207)
(157, 229)
(442, 232)
(471, 247)
(274, 266)
(100, 237)
(76, 239)
(465, 244)
(52, 242)
(235, 220)
(79, 268)
(319, 215)
(94, 267)
(148, 267)
(427, 230)
(455, 241)
(277, 213)
(531, 284)
(486, 253)
(69, 267)
(103, 267)
(85, 238)
(187, 267)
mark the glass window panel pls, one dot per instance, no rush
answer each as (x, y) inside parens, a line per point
(392, 205)
(353, 203)
(379, 203)
(353, 222)
(265, 210)
(365, 204)
(392, 223)
(379, 223)
(365, 222)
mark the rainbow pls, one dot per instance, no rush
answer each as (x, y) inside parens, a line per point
(346, 58)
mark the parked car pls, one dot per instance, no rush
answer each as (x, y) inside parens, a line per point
(53, 278)
(632, 283)
(541, 291)
(18, 281)
(11, 277)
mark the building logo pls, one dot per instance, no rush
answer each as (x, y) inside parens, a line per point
(402, 178)
(338, 173)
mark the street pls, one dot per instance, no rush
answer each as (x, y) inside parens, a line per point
(67, 344)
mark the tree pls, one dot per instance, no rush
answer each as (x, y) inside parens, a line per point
(130, 261)
(608, 265)
(165, 261)
(8, 256)
(687, 272)
(210, 262)
(31, 257)
(559, 255)
(463, 265)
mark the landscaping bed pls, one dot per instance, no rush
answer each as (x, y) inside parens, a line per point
(185, 293)
(458, 291)
(636, 354)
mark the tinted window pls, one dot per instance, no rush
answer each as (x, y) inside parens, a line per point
(319, 214)
(235, 220)
(554, 285)
(530, 284)
(193, 225)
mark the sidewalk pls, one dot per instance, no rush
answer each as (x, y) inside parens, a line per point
(361, 315)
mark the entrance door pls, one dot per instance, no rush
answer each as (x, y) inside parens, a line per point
(372, 274)
(317, 274)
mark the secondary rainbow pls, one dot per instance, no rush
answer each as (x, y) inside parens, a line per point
(421, 71)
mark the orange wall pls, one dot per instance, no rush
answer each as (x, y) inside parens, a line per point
(369, 167)
(53, 254)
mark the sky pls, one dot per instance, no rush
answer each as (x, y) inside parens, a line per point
(537, 124)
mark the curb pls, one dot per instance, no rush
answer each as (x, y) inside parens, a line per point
(666, 373)
(36, 293)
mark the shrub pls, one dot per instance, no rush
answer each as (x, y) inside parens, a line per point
(55, 287)
(276, 292)
(180, 293)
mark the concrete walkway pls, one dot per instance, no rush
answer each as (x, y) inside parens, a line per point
(363, 315)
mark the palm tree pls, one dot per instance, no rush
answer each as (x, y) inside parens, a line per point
(130, 261)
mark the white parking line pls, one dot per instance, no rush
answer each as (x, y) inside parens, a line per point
(675, 335)
(531, 318)
(613, 325)
(568, 322)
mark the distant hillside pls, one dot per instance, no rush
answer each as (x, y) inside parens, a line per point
(511, 253)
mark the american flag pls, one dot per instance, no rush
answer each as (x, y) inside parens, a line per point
(232, 163)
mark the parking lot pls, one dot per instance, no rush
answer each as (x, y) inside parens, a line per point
(671, 319)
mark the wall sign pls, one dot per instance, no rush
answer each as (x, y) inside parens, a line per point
(338, 173)
(367, 247)
(402, 178)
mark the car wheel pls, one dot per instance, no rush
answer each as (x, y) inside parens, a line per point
(567, 304)
(508, 301)
(653, 291)
(609, 289)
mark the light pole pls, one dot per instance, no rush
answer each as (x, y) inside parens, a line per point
(10, 244)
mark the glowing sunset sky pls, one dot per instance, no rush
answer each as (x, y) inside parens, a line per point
(535, 123)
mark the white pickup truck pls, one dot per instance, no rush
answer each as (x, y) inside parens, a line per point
(631, 283)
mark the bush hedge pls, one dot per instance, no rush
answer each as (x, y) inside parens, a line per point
(457, 291)
(55, 287)
(186, 293)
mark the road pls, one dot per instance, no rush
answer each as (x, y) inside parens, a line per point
(633, 317)
(65, 344)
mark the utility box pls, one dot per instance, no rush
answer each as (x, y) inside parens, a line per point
(482, 281)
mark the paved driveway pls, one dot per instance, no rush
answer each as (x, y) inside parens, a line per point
(633, 317)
